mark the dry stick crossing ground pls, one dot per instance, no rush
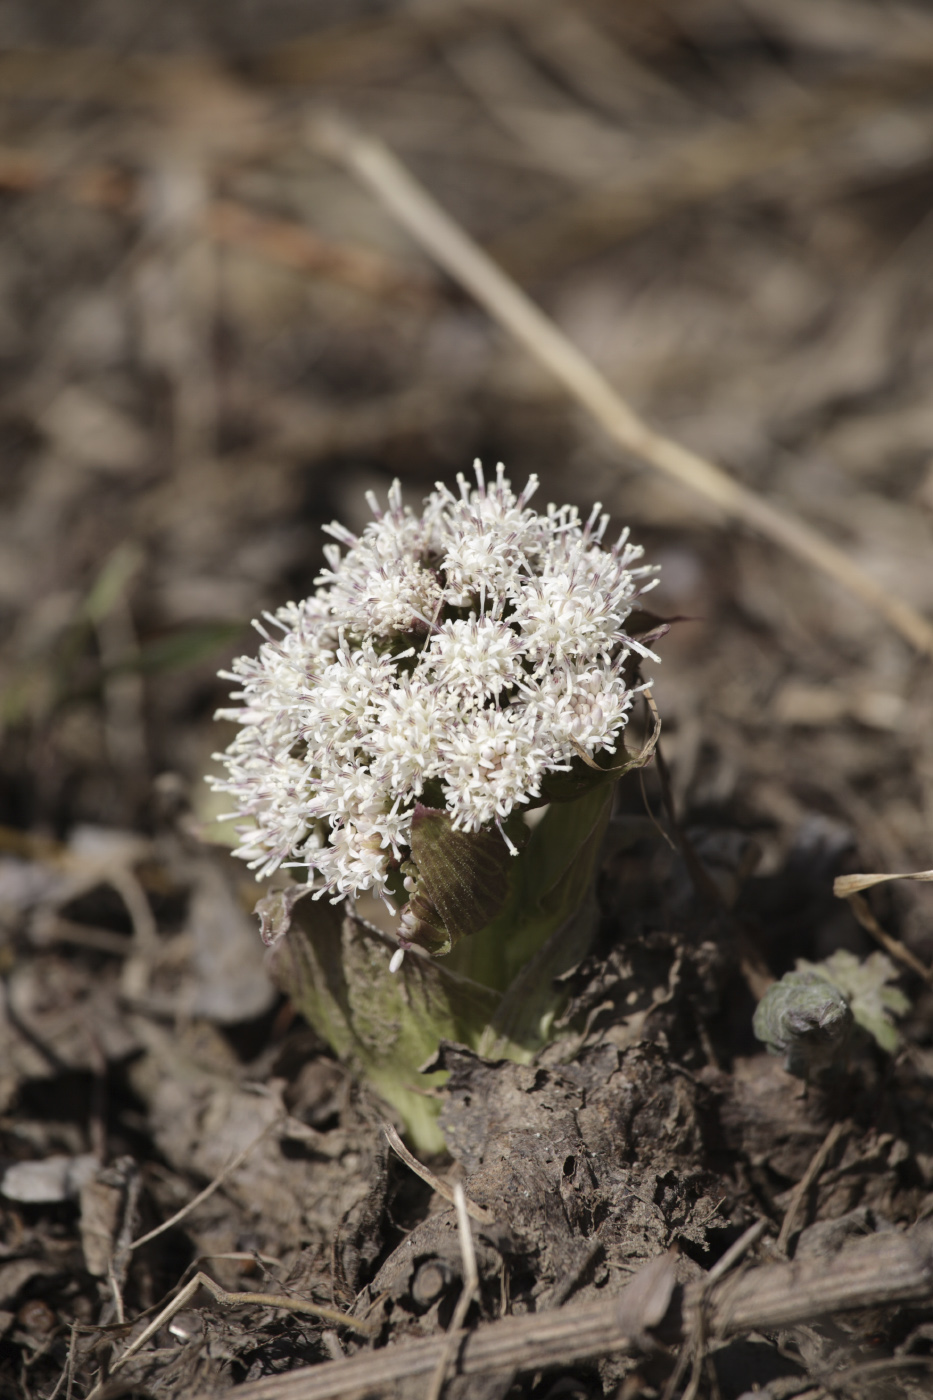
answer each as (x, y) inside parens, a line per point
(446, 241)
(879, 1271)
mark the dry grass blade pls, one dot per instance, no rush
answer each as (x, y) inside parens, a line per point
(289, 244)
(704, 166)
(464, 1302)
(209, 1190)
(232, 1300)
(478, 1213)
(818, 1162)
(281, 242)
(845, 885)
(862, 911)
(375, 44)
(466, 262)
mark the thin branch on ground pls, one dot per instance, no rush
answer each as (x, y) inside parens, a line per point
(694, 1345)
(736, 1252)
(883, 1269)
(460, 256)
(817, 1163)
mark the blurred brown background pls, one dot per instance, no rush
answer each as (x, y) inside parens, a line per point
(212, 341)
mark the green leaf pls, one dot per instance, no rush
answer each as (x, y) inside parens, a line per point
(547, 881)
(550, 927)
(864, 984)
(276, 910)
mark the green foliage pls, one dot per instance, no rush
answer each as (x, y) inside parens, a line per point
(864, 984)
(384, 1025)
(808, 1015)
(548, 881)
(805, 1018)
(497, 991)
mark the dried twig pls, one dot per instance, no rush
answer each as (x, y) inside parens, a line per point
(877, 1271)
(209, 1190)
(292, 245)
(122, 1248)
(515, 1343)
(695, 1343)
(68, 1372)
(52, 929)
(883, 1269)
(466, 262)
(479, 1213)
(862, 911)
(233, 1300)
(736, 1252)
(705, 166)
(282, 242)
(818, 1162)
(837, 1382)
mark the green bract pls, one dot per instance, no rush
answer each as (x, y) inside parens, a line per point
(497, 992)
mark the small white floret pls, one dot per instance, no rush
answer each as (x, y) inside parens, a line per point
(465, 653)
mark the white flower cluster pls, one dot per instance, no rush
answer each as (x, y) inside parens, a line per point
(455, 657)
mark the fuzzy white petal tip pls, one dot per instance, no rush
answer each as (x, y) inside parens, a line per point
(396, 960)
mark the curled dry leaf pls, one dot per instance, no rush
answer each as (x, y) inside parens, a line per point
(844, 885)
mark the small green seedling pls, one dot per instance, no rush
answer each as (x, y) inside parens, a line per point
(809, 1015)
